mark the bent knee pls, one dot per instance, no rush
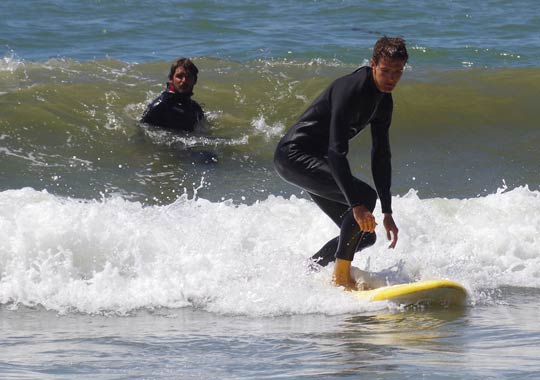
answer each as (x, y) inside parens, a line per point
(367, 240)
(368, 195)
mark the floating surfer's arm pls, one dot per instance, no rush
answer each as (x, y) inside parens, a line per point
(154, 113)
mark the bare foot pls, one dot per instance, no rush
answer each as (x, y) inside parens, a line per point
(342, 275)
(362, 286)
(349, 284)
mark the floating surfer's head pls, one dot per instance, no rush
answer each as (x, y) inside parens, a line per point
(183, 76)
(389, 58)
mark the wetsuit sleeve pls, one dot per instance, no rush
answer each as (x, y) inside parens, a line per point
(199, 113)
(153, 114)
(344, 97)
(381, 165)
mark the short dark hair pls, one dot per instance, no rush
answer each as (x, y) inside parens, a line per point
(187, 64)
(390, 48)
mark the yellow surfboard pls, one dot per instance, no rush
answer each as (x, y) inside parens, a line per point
(436, 293)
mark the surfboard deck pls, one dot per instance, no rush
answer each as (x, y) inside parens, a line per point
(435, 293)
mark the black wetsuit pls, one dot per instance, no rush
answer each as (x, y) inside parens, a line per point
(174, 111)
(313, 156)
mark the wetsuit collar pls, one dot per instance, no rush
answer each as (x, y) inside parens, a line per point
(171, 90)
(370, 77)
(372, 80)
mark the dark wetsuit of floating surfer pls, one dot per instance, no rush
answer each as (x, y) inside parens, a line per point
(174, 111)
(313, 155)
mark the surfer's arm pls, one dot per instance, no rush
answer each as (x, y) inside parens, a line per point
(391, 230)
(381, 165)
(153, 114)
(364, 218)
(201, 122)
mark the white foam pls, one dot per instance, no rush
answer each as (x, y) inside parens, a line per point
(168, 138)
(10, 62)
(268, 131)
(116, 256)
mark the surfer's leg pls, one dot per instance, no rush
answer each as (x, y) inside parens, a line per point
(367, 240)
(335, 211)
(327, 253)
(313, 174)
(351, 238)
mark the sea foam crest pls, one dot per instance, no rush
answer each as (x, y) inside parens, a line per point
(117, 256)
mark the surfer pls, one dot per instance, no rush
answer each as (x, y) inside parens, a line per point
(313, 155)
(174, 109)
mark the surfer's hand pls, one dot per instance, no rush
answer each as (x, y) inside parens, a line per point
(391, 229)
(364, 218)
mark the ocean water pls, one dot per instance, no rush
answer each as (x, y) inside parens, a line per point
(126, 254)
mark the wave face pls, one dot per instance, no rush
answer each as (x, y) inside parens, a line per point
(70, 127)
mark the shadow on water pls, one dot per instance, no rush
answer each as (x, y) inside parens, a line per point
(387, 345)
(407, 326)
(203, 156)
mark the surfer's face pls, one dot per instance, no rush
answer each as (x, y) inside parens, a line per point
(183, 81)
(387, 73)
